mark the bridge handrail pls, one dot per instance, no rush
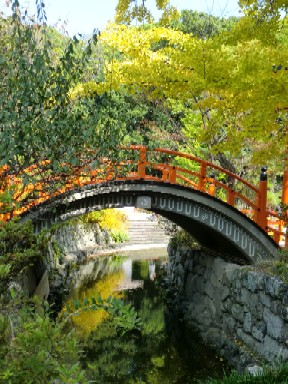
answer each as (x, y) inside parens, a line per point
(197, 160)
(236, 191)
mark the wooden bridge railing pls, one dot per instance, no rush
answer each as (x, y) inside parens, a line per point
(139, 162)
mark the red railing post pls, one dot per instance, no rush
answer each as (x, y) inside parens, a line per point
(202, 178)
(285, 188)
(261, 214)
(231, 197)
(211, 186)
(142, 163)
(284, 200)
(172, 175)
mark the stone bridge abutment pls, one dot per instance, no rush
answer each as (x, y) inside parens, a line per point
(240, 310)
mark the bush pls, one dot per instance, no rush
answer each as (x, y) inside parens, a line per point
(36, 349)
(111, 220)
(184, 238)
(20, 248)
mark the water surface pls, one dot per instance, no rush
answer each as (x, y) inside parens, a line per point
(163, 352)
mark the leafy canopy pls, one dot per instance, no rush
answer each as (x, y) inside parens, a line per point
(38, 119)
(236, 80)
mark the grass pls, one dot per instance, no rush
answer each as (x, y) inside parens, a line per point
(277, 375)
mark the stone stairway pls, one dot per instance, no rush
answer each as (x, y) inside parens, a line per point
(146, 231)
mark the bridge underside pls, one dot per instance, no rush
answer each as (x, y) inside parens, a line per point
(214, 224)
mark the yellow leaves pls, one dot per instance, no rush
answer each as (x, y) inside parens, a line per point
(113, 219)
(87, 321)
(239, 79)
(170, 13)
(161, 4)
(129, 10)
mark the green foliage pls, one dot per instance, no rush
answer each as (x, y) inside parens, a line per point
(109, 219)
(183, 238)
(123, 315)
(38, 70)
(276, 375)
(32, 347)
(280, 267)
(20, 248)
(119, 236)
(264, 9)
(7, 203)
(91, 217)
(201, 24)
(141, 120)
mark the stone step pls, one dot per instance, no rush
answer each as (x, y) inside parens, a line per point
(147, 241)
(145, 231)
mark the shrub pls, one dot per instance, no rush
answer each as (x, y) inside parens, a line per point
(185, 239)
(111, 220)
(37, 349)
(20, 248)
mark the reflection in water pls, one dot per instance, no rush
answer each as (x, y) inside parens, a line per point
(162, 352)
(152, 269)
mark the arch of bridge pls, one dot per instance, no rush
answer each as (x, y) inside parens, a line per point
(213, 223)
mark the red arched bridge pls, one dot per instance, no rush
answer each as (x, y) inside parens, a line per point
(221, 210)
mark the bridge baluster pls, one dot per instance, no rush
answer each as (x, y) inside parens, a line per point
(211, 186)
(261, 214)
(202, 179)
(285, 184)
(231, 197)
(172, 175)
(142, 163)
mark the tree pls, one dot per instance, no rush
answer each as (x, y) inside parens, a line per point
(264, 8)
(128, 11)
(39, 120)
(230, 79)
(201, 24)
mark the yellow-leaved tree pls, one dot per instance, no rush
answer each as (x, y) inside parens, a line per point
(235, 82)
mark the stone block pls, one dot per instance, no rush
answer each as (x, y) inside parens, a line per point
(274, 287)
(259, 331)
(180, 282)
(265, 299)
(200, 269)
(211, 291)
(285, 295)
(247, 325)
(272, 350)
(243, 296)
(275, 325)
(237, 311)
(255, 306)
(219, 268)
(284, 312)
(227, 305)
(178, 257)
(180, 270)
(229, 325)
(276, 307)
(225, 292)
(190, 285)
(246, 338)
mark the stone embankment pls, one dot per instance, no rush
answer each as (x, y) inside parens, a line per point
(70, 244)
(240, 310)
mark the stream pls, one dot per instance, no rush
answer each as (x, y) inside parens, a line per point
(164, 351)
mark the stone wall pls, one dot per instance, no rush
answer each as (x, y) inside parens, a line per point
(240, 310)
(71, 244)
